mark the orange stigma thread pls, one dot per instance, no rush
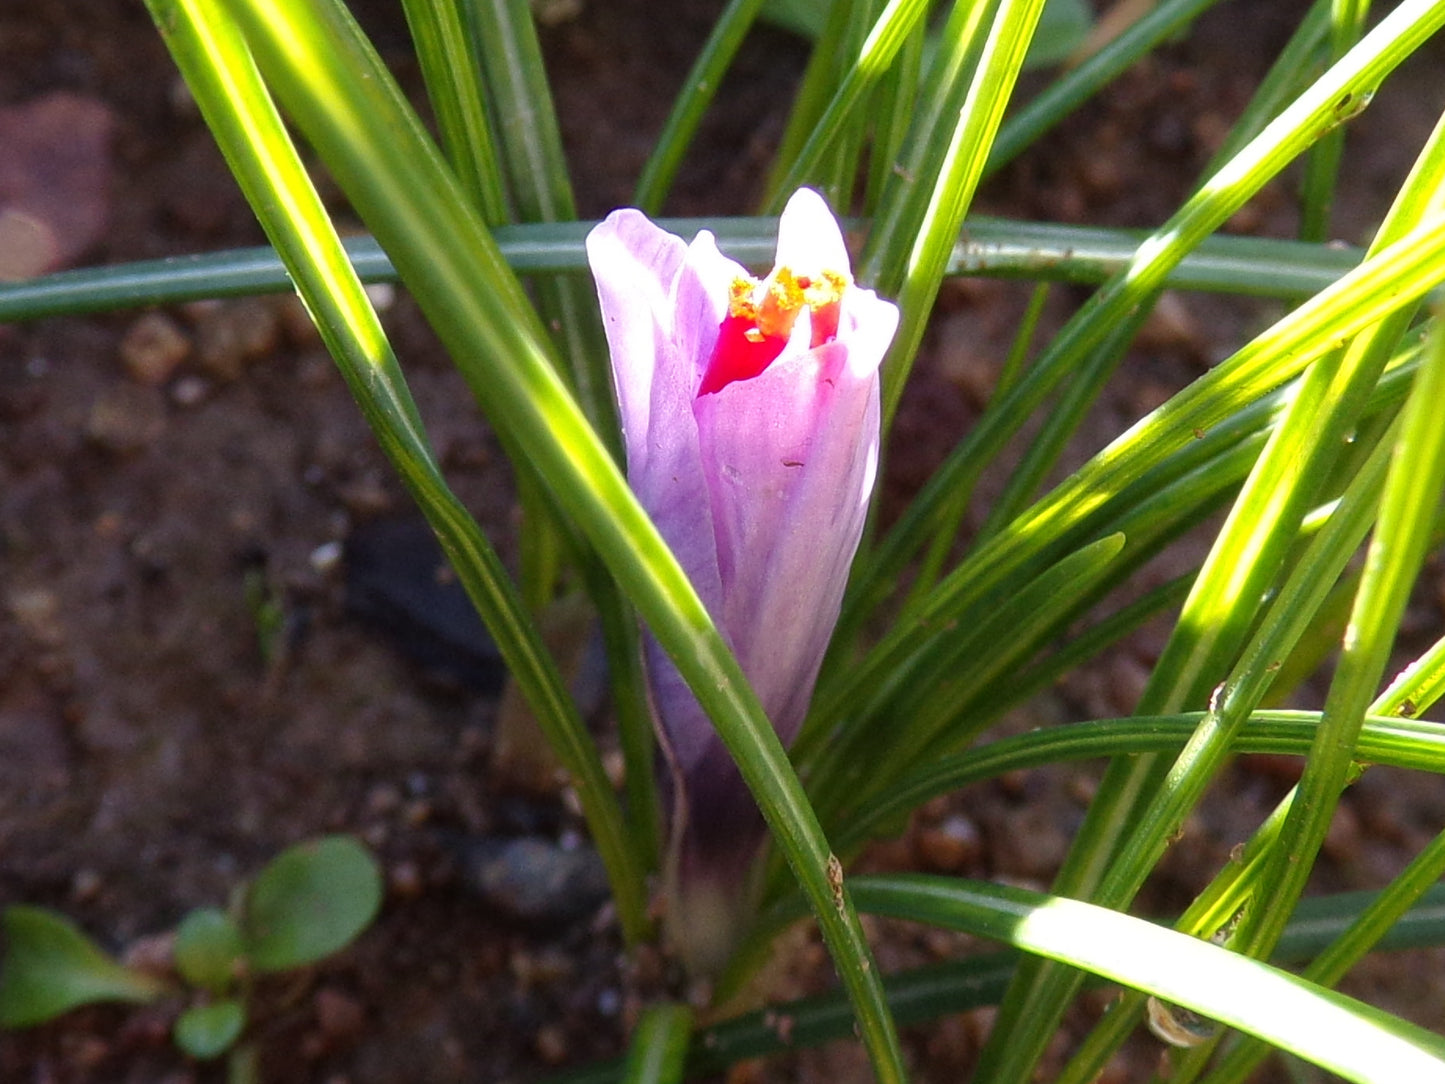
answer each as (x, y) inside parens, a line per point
(760, 319)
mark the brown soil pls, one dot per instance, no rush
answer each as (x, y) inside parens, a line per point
(152, 757)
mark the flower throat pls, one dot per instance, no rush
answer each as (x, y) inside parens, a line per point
(760, 320)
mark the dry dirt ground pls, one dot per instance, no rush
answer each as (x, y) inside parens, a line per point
(157, 470)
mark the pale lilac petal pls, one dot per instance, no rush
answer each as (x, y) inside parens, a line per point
(789, 482)
(867, 324)
(700, 302)
(662, 302)
(809, 240)
(635, 265)
(658, 299)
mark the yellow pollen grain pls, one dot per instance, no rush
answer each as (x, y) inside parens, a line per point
(740, 298)
(827, 289)
(782, 299)
(783, 295)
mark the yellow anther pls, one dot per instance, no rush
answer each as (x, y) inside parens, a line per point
(740, 298)
(827, 289)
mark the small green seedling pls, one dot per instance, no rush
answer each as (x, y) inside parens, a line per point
(268, 613)
(309, 902)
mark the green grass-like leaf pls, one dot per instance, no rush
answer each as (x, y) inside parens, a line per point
(1336, 1032)
(659, 1046)
(226, 85)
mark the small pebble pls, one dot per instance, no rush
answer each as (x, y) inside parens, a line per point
(1145, 396)
(154, 955)
(1127, 679)
(376, 836)
(339, 1015)
(551, 1044)
(190, 391)
(126, 418)
(181, 100)
(365, 497)
(1013, 784)
(747, 1071)
(540, 969)
(951, 845)
(1343, 839)
(89, 1052)
(556, 12)
(1032, 845)
(952, 1041)
(152, 348)
(936, 809)
(37, 611)
(28, 245)
(1083, 788)
(1170, 325)
(1102, 175)
(382, 799)
(326, 557)
(1210, 130)
(534, 880)
(405, 880)
(85, 886)
(1168, 135)
(615, 765)
(382, 295)
(296, 323)
(234, 334)
(55, 189)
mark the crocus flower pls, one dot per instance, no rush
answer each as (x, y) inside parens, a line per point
(750, 415)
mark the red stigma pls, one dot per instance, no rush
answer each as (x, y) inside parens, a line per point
(757, 328)
(742, 352)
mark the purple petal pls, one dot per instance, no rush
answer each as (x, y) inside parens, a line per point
(661, 303)
(790, 458)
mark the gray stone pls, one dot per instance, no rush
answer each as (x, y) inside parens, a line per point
(536, 881)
